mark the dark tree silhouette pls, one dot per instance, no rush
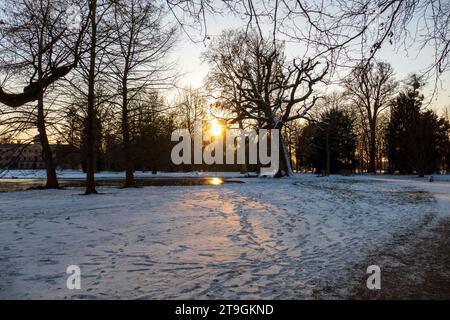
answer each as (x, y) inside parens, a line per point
(370, 86)
(272, 90)
(329, 144)
(65, 45)
(136, 61)
(416, 139)
(35, 41)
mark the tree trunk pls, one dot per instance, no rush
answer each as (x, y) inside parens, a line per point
(289, 149)
(127, 152)
(129, 167)
(284, 168)
(328, 160)
(90, 132)
(373, 149)
(244, 165)
(52, 180)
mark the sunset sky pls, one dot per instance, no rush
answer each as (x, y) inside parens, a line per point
(188, 55)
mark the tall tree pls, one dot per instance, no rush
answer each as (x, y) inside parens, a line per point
(416, 139)
(370, 86)
(136, 61)
(90, 119)
(36, 40)
(405, 112)
(272, 90)
(88, 83)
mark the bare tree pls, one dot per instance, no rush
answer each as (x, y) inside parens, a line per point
(37, 43)
(136, 61)
(62, 44)
(87, 83)
(339, 27)
(191, 104)
(273, 91)
(370, 88)
(90, 119)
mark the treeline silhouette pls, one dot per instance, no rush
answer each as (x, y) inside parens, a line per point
(412, 138)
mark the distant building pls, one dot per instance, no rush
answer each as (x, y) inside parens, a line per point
(29, 156)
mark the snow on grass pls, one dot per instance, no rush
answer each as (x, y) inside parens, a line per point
(267, 238)
(78, 174)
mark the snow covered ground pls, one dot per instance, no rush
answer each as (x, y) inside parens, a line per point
(78, 174)
(267, 238)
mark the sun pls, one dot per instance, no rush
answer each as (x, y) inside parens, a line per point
(216, 181)
(216, 128)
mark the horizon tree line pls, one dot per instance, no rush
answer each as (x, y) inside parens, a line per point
(414, 139)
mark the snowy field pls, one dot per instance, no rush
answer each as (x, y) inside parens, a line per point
(78, 174)
(283, 239)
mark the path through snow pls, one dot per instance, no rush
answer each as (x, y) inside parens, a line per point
(289, 238)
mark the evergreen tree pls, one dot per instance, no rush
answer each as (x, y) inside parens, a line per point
(416, 140)
(329, 144)
(405, 111)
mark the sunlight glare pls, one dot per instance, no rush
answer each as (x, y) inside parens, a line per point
(216, 128)
(216, 181)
